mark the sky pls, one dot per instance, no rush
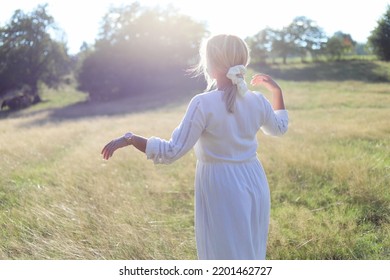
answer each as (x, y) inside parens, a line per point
(80, 19)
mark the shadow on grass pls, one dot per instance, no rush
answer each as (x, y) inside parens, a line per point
(360, 70)
(136, 102)
(153, 96)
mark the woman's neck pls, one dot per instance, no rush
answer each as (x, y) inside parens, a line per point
(223, 82)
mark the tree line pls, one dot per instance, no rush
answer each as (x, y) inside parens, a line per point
(140, 49)
(302, 38)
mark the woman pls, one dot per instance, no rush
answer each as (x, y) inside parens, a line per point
(232, 200)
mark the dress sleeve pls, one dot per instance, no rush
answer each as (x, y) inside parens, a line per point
(275, 121)
(182, 139)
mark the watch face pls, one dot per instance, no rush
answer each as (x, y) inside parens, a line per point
(128, 135)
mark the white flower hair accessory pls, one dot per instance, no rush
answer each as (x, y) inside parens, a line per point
(236, 74)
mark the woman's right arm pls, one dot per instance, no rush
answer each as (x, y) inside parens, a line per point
(275, 116)
(273, 87)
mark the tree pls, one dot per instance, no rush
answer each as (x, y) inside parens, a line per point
(29, 55)
(282, 45)
(139, 48)
(340, 44)
(261, 44)
(270, 43)
(306, 37)
(380, 37)
(334, 48)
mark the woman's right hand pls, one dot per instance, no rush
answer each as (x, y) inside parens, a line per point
(112, 146)
(272, 86)
(266, 81)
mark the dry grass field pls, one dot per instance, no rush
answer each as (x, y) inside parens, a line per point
(329, 175)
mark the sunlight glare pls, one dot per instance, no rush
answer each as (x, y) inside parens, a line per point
(81, 19)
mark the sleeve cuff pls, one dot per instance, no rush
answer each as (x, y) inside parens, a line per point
(282, 113)
(151, 150)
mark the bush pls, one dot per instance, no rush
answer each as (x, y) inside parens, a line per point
(139, 49)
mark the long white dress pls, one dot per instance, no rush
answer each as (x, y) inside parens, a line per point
(232, 200)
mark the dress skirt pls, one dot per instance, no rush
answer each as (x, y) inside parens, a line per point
(232, 210)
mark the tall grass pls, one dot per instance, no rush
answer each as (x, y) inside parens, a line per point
(329, 179)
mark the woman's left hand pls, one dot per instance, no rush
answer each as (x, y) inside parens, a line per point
(114, 145)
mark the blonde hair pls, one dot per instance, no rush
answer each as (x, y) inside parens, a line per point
(217, 55)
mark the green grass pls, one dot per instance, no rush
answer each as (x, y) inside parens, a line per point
(329, 176)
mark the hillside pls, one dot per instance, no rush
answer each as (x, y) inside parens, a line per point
(328, 175)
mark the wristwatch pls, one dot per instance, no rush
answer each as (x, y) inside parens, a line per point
(128, 137)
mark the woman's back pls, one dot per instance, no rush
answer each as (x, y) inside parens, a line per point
(228, 136)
